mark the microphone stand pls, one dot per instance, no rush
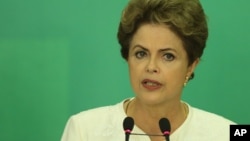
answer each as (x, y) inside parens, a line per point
(127, 136)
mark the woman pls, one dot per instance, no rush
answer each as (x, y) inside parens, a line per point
(162, 42)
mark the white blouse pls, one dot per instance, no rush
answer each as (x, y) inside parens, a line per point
(106, 124)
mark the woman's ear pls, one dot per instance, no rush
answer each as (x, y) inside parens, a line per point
(192, 67)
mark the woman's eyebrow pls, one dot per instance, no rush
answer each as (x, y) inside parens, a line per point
(160, 50)
(139, 46)
(167, 49)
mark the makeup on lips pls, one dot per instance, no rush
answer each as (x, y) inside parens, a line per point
(151, 84)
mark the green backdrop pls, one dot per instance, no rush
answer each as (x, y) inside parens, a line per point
(59, 57)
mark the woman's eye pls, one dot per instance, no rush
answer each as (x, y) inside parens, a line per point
(169, 57)
(140, 54)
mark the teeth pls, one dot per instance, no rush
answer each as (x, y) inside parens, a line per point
(151, 84)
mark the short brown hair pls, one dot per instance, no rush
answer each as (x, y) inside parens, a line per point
(186, 18)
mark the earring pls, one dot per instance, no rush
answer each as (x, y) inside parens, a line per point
(186, 81)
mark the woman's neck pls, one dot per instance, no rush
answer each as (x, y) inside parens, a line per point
(176, 112)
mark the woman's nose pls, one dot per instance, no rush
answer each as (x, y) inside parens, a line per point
(152, 66)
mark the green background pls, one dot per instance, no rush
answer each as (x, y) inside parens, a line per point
(59, 57)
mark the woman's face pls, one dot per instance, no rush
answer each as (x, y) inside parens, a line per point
(158, 64)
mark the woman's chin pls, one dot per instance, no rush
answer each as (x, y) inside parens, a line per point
(150, 100)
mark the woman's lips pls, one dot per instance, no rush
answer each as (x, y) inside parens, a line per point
(151, 84)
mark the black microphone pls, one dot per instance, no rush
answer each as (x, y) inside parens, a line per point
(128, 125)
(165, 127)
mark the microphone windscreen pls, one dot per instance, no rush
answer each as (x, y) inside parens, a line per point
(128, 123)
(165, 126)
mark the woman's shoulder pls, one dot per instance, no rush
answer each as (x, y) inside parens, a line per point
(204, 125)
(210, 117)
(100, 112)
(94, 123)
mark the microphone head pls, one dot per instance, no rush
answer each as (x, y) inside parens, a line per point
(165, 126)
(128, 124)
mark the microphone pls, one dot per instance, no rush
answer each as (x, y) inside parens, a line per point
(128, 125)
(165, 127)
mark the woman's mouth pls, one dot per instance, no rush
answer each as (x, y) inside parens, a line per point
(151, 84)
